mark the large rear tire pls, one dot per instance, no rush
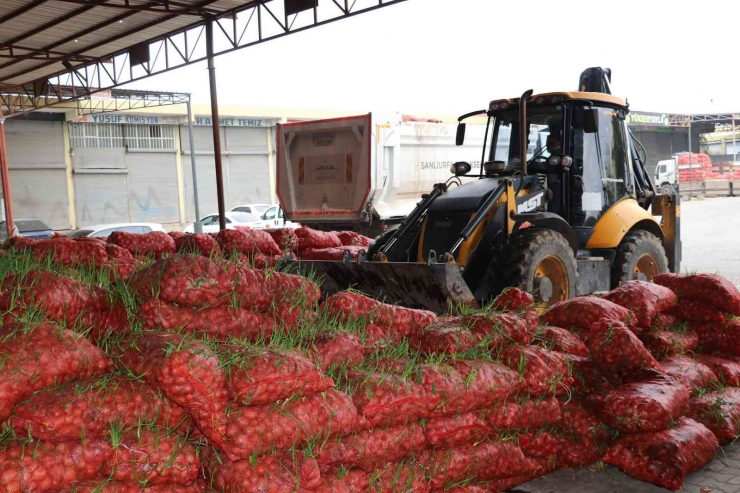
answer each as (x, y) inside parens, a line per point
(640, 256)
(539, 261)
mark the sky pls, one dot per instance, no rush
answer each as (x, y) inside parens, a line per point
(449, 57)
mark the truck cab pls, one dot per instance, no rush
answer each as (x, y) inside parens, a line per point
(666, 176)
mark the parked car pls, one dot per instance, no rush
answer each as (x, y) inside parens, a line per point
(275, 216)
(256, 209)
(233, 219)
(104, 230)
(31, 228)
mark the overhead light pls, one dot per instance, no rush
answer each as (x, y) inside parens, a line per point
(75, 40)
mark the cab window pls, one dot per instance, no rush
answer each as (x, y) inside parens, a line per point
(270, 214)
(612, 147)
(281, 213)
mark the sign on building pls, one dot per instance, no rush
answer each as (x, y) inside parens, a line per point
(112, 118)
(648, 119)
(205, 121)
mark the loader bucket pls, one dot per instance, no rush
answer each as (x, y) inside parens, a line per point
(414, 285)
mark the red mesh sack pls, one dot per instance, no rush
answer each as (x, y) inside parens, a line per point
(285, 238)
(176, 234)
(513, 299)
(616, 350)
(199, 244)
(467, 385)
(339, 350)
(696, 311)
(258, 290)
(121, 269)
(58, 298)
(649, 405)
(403, 477)
(644, 299)
(188, 280)
(38, 356)
(331, 254)
(343, 481)
(710, 289)
(719, 411)
(539, 443)
(560, 340)
(444, 339)
(386, 400)
(482, 461)
(259, 429)
(371, 449)
(155, 244)
(495, 329)
(19, 243)
(310, 238)
(693, 375)
(664, 321)
(105, 485)
(68, 252)
(726, 371)
(291, 317)
(88, 407)
(523, 413)
(583, 311)
(152, 457)
(352, 238)
(348, 305)
(458, 429)
(583, 439)
(262, 376)
(720, 338)
(247, 241)
(664, 458)
(185, 370)
(663, 343)
(543, 372)
(40, 466)
(220, 322)
(116, 252)
(275, 473)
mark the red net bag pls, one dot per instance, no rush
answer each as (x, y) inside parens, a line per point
(331, 254)
(199, 244)
(352, 238)
(665, 457)
(371, 449)
(649, 405)
(482, 461)
(340, 350)
(343, 481)
(726, 371)
(88, 407)
(348, 305)
(19, 243)
(68, 252)
(523, 412)
(444, 339)
(690, 373)
(263, 376)
(274, 473)
(560, 340)
(720, 338)
(285, 238)
(696, 311)
(259, 429)
(664, 321)
(467, 385)
(495, 329)
(719, 411)
(258, 290)
(188, 280)
(220, 322)
(386, 400)
(710, 289)
(38, 356)
(185, 370)
(152, 456)
(310, 238)
(247, 241)
(513, 299)
(403, 477)
(662, 343)
(540, 444)
(116, 252)
(584, 311)
(176, 234)
(644, 299)
(155, 244)
(583, 439)
(458, 429)
(543, 372)
(105, 485)
(616, 350)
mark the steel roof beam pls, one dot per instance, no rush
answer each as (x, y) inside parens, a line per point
(21, 10)
(158, 7)
(44, 27)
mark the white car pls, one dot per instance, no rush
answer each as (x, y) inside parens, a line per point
(275, 216)
(256, 209)
(233, 219)
(104, 230)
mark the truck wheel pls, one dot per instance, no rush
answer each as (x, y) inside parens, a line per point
(666, 189)
(541, 262)
(640, 256)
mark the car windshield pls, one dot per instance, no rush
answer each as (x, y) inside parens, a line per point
(80, 233)
(261, 208)
(26, 225)
(243, 217)
(545, 134)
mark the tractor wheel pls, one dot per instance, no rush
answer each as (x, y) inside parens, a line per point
(541, 262)
(640, 256)
(666, 189)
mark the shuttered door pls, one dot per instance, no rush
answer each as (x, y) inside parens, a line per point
(248, 173)
(101, 198)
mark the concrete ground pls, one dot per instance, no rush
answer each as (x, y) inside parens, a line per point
(711, 243)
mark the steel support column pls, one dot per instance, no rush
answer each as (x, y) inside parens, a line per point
(5, 176)
(197, 226)
(216, 126)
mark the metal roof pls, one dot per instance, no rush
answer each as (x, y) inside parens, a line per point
(59, 50)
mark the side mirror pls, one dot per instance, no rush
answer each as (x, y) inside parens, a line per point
(460, 137)
(590, 120)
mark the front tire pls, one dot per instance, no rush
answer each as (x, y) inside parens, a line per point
(640, 256)
(666, 189)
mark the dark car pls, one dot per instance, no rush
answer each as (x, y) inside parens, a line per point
(31, 228)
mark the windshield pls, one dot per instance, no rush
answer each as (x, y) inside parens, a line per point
(261, 208)
(243, 217)
(80, 233)
(545, 134)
